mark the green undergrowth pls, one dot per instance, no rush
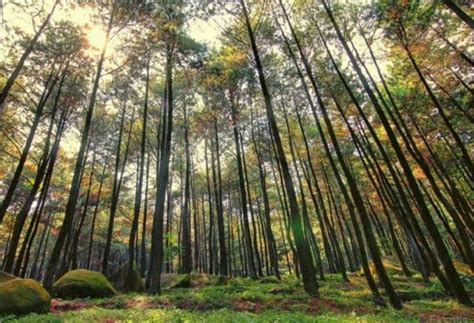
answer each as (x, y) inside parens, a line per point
(266, 300)
(223, 315)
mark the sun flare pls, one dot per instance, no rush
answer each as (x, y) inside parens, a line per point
(96, 37)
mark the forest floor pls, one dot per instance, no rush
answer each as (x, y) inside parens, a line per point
(266, 300)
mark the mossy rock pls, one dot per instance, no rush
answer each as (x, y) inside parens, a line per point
(4, 277)
(22, 296)
(199, 280)
(184, 282)
(81, 283)
(269, 280)
(171, 281)
(121, 281)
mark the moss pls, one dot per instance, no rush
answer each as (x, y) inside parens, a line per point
(127, 283)
(280, 290)
(221, 315)
(22, 296)
(246, 300)
(221, 281)
(81, 283)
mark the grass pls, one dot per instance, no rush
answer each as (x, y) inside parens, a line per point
(245, 300)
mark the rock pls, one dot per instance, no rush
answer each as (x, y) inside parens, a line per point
(125, 283)
(184, 282)
(4, 277)
(199, 280)
(81, 283)
(22, 296)
(175, 281)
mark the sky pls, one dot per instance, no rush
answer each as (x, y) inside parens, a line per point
(206, 31)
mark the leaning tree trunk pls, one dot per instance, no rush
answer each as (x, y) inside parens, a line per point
(48, 89)
(304, 254)
(451, 272)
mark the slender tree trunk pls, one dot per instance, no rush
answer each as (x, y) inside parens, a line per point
(304, 254)
(243, 197)
(66, 226)
(20, 219)
(94, 217)
(451, 273)
(186, 256)
(211, 210)
(144, 223)
(459, 12)
(130, 282)
(266, 203)
(116, 188)
(77, 234)
(48, 90)
(256, 252)
(162, 182)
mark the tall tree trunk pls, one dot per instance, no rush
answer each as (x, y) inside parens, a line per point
(130, 281)
(304, 254)
(451, 273)
(20, 219)
(47, 91)
(75, 242)
(96, 210)
(144, 223)
(266, 204)
(219, 207)
(186, 256)
(66, 226)
(243, 198)
(117, 185)
(162, 182)
(211, 211)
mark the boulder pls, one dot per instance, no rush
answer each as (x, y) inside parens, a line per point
(175, 281)
(22, 296)
(81, 283)
(4, 277)
(127, 283)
